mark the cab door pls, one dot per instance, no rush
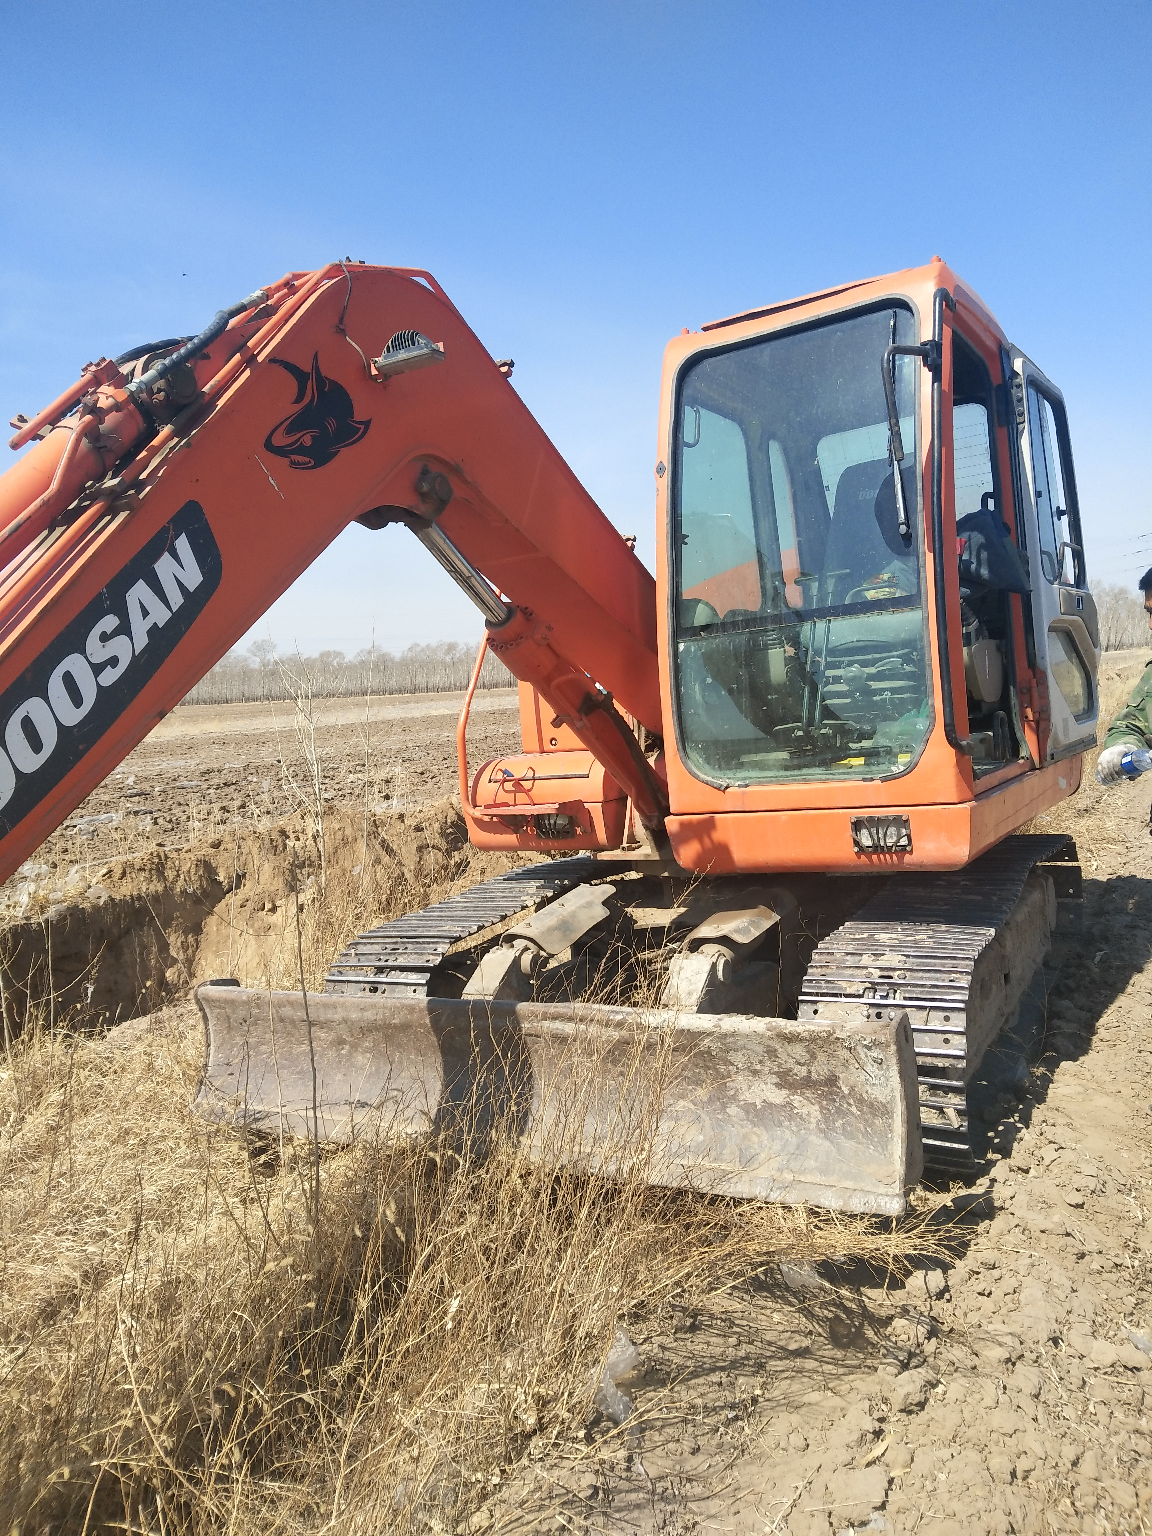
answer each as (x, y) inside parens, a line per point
(1066, 631)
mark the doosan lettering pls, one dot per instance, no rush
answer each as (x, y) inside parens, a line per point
(32, 731)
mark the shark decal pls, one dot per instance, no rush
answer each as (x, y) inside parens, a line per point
(313, 435)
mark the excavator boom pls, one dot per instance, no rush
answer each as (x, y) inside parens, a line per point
(159, 553)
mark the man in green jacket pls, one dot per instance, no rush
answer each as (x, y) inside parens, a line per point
(1131, 731)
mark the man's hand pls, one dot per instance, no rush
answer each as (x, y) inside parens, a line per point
(1108, 769)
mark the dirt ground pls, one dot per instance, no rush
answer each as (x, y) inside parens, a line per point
(1007, 1387)
(207, 771)
(176, 867)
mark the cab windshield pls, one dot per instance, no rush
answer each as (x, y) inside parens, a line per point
(800, 634)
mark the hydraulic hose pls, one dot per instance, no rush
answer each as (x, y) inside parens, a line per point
(173, 361)
(60, 491)
(149, 346)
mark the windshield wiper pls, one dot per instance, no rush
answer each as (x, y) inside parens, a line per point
(927, 353)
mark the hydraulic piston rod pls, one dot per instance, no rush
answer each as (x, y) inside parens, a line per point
(466, 576)
(524, 645)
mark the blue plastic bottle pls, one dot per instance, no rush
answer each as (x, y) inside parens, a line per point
(1135, 763)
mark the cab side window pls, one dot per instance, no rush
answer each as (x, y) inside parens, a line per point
(971, 457)
(974, 479)
(719, 564)
(785, 525)
(1061, 555)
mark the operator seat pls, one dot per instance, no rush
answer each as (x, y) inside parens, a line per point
(865, 549)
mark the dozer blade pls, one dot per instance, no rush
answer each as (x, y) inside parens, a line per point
(768, 1109)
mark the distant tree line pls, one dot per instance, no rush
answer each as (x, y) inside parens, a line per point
(1123, 622)
(262, 672)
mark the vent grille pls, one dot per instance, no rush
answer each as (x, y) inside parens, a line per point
(404, 341)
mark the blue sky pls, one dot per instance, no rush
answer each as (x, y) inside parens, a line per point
(584, 180)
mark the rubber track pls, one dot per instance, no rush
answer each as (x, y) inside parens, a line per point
(916, 943)
(398, 958)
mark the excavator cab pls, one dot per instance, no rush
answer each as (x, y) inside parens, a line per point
(879, 645)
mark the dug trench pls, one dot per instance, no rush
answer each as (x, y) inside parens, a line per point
(188, 860)
(986, 1367)
(122, 937)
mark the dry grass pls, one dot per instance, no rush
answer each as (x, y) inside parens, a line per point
(190, 1341)
(1119, 672)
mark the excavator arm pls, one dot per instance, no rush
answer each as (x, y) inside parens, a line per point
(177, 492)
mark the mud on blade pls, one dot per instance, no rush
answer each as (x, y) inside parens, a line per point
(768, 1109)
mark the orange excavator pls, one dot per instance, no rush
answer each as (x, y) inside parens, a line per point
(786, 907)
